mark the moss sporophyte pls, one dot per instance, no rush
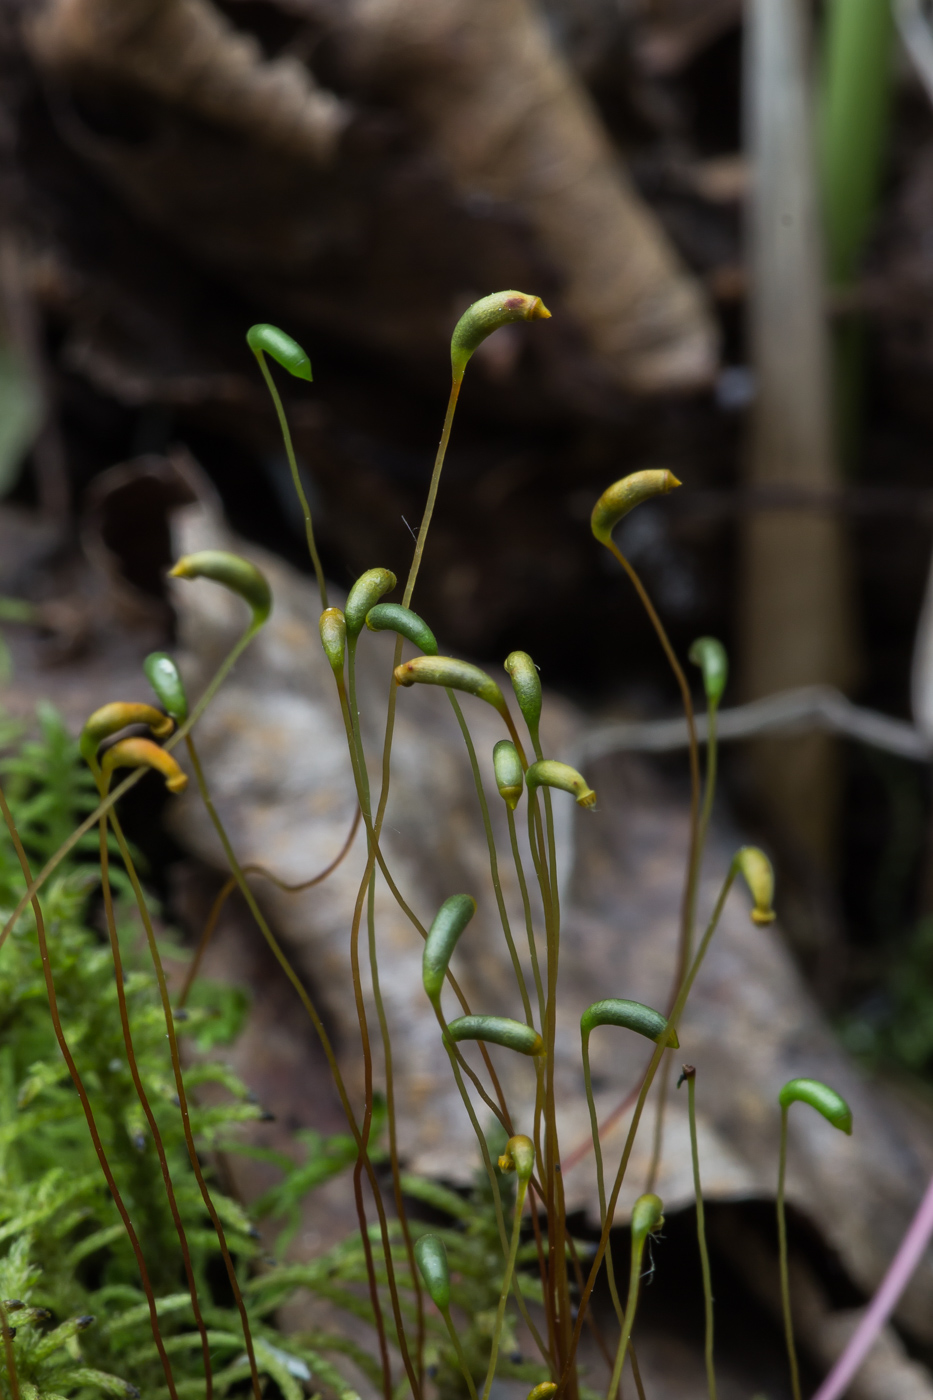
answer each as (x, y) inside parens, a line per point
(442, 1303)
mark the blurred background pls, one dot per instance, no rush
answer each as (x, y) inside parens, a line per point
(728, 209)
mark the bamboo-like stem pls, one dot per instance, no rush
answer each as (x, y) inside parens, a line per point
(690, 1076)
(183, 1100)
(85, 1101)
(231, 884)
(296, 475)
(520, 1193)
(782, 1256)
(147, 1107)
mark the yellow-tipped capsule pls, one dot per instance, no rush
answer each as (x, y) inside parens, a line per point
(233, 572)
(365, 594)
(333, 628)
(486, 316)
(623, 496)
(143, 753)
(110, 719)
(519, 1157)
(755, 866)
(510, 776)
(457, 675)
(527, 686)
(548, 772)
(544, 1391)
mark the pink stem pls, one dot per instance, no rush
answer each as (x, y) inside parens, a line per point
(884, 1302)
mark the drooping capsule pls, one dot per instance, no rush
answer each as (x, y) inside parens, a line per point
(630, 1016)
(622, 496)
(164, 676)
(457, 675)
(110, 719)
(510, 777)
(826, 1101)
(365, 594)
(233, 572)
(143, 753)
(518, 1157)
(333, 629)
(486, 316)
(497, 1030)
(527, 686)
(755, 866)
(712, 660)
(431, 1257)
(549, 772)
(392, 617)
(269, 340)
(449, 922)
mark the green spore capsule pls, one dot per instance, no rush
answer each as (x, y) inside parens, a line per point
(269, 340)
(527, 686)
(110, 719)
(449, 922)
(486, 316)
(518, 1157)
(548, 772)
(431, 1258)
(233, 572)
(497, 1030)
(819, 1096)
(755, 866)
(164, 676)
(333, 628)
(510, 777)
(629, 1016)
(712, 660)
(647, 1217)
(617, 500)
(544, 1391)
(364, 595)
(392, 617)
(457, 675)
